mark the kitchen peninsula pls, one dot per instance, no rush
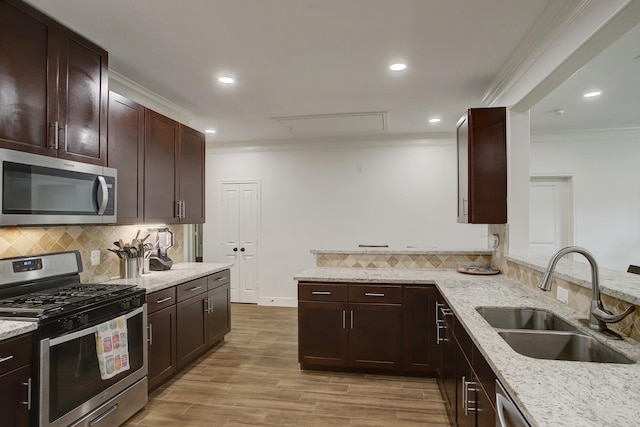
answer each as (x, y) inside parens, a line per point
(549, 392)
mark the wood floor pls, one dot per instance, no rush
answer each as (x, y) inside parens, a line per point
(253, 379)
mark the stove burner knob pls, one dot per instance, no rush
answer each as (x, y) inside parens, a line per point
(83, 319)
(67, 324)
(125, 305)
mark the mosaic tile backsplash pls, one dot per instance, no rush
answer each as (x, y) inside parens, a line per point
(18, 241)
(350, 260)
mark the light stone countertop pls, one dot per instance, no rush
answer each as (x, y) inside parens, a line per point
(401, 251)
(13, 328)
(618, 284)
(179, 273)
(550, 393)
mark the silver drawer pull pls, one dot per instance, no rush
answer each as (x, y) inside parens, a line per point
(321, 293)
(4, 359)
(195, 288)
(220, 279)
(446, 311)
(373, 294)
(160, 301)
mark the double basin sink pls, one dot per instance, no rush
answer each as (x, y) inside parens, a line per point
(543, 335)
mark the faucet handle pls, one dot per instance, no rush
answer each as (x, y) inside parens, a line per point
(608, 317)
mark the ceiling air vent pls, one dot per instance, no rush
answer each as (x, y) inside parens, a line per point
(335, 124)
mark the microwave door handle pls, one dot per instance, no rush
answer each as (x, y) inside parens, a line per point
(105, 195)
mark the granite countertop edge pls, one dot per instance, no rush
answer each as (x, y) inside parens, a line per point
(179, 273)
(13, 328)
(550, 393)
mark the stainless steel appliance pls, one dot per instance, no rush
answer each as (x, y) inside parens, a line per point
(508, 413)
(39, 190)
(68, 388)
(159, 260)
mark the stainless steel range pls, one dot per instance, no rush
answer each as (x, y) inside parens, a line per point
(75, 384)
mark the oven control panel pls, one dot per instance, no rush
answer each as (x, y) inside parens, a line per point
(24, 265)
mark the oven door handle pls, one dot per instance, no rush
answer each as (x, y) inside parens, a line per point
(90, 330)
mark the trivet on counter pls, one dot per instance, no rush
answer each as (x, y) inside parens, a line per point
(477, 269)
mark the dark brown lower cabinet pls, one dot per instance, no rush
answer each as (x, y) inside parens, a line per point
(191, 322)
(219, 315)
(421, 353)
(323, 337)
(465, 378)
(162, 345)
(375, 336)
(184, 322)
(15, 378)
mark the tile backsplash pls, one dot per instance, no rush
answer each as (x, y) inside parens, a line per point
(400, 260)
(18, 241)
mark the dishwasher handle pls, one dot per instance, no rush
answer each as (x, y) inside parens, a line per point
(508, 413)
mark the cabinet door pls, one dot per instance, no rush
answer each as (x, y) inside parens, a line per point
(28, 78)
(420, 347)
(192, 161)
(322, 333)
(219, 317)
(449, 354)
(125, 153)
(191, 329)
(375, 336)
(160, 150)
(465, 391)
(83, 99)
(162, 345)
(14, 388)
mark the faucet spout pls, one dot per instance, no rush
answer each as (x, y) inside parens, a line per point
(598, 316)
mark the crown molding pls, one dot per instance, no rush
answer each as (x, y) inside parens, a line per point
(554, 20)
(562, 29)
(136, 92)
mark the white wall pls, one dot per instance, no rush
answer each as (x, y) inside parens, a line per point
(315, 198)
(605, 166)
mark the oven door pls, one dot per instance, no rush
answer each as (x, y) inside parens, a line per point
(70, 383)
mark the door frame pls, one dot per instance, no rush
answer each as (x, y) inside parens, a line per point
(258, 183)
(569, 178)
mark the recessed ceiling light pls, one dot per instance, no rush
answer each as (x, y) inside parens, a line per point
(434, 120)
(226, 80)
(210, 131)
(592, 94)
(397, 67)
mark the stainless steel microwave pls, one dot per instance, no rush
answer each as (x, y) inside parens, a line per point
(41, 190)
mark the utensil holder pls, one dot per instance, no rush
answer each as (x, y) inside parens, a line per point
(130, 268)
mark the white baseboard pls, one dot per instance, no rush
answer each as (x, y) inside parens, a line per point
(279, 302)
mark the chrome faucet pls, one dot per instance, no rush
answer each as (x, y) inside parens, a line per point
(599, 316)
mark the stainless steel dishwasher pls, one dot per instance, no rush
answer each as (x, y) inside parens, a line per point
(508, 413)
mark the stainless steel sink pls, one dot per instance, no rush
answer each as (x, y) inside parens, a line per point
(524, 318)
(562, 346)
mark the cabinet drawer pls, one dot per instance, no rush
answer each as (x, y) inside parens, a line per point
(218, 279)
(384, 294)
(15, 352)
(323, 292)
(161, 299)
(191, 289)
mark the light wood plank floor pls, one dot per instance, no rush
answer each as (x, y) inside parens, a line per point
(253, 379)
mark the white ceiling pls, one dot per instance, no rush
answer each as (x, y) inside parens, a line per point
(307, 57)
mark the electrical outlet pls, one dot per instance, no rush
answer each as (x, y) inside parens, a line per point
(95, 257)
(562, 295)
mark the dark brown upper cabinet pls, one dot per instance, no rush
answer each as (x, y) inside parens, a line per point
(126, 153)
(53, 87)
(482, 166)
(173, 172)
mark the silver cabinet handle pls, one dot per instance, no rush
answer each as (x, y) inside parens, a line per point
(373, 294)
(439, 338)
(439, 305)
(105, 195)
(321, 293)
(210, 299)
(4, 359)
(344, 319)
(177, 208)
(66, 139)
(446, 311)
(28, 402)
(150, 338)
(184, 209)
(104, 415)
(195, 288)
(465, 392)
(219, 279)
(56, 137)
(206, 306)
(160, 301)
(351, 319)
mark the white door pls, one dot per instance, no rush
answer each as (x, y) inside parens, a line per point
(240, 207)
(550, 215)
